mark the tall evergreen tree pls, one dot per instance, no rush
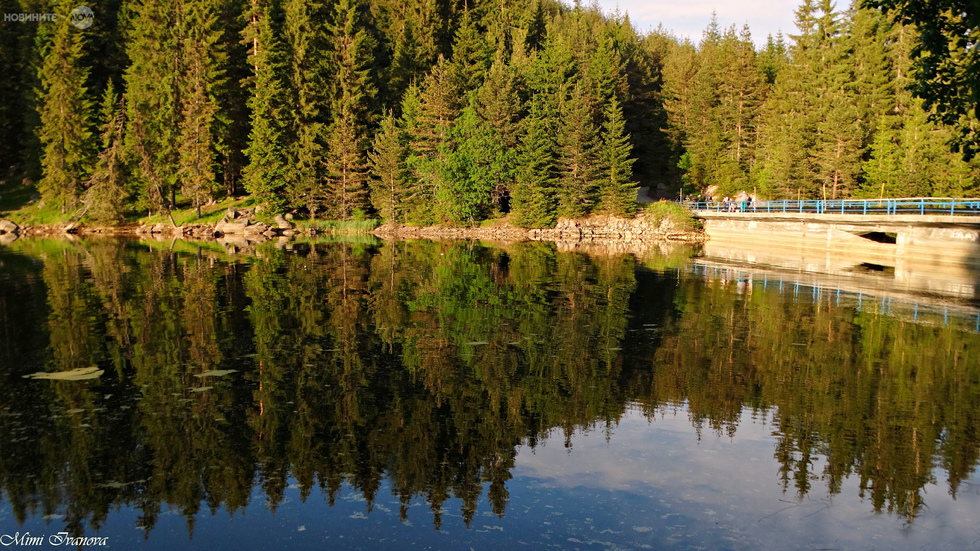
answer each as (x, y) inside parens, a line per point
(438, 107)
(106, 194)
(617, 190)
(471, 55)
(203, 75)
(838, 142)
(533, 200)
(305, 41)
(264, 177)
(388, 170)
(65, 131)
(578, 159)
(346, 161)
(153, 99)
(499, 106)
(472, 159)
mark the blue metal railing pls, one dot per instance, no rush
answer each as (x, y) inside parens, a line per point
(914, 205)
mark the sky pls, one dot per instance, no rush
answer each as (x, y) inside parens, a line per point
(688, 18)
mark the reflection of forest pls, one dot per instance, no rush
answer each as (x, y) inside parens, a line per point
(428, 364)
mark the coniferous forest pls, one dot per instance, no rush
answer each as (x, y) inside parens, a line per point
(449, 112)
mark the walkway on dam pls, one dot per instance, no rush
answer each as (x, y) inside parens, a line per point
(915, 206)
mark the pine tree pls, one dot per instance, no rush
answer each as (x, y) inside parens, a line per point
(65, 119)
(203, 74)
(785, 165)
(406, 63)
(438, 108)
(838, 142)
(389, 171)
(346, 161)
(418, 197)
(533, 201)
(499, 107)
(305, 39)
(617, 190)
(106, 194)
(535, 25)
(578, 160)
(264, 177)
(471, 56)
(152, 98)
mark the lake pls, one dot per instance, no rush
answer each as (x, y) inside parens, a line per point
(358, 394)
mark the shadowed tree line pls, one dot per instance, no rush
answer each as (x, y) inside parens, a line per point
(424, 366)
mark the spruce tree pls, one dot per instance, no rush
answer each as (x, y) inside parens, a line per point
(388, 170)
(578, 160)
(533, 201)
(498, 105)
(471, 55)
(203, 74)
(153, 101)
(617, 190)
(471, 169)
(264, 177)
(838, 141)
(304, 43)
(346, 160)
(438, 107)
(106, 194)
(65, 131)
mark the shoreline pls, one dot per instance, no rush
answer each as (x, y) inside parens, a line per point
(597, 231)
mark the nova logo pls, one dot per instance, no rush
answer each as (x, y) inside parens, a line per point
(82, 17)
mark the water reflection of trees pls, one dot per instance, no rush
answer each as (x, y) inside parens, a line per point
(427, 364)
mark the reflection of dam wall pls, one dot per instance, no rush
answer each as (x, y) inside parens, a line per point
(863, 291)
(916, 255)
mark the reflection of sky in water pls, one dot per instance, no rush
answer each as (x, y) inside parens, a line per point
(653, 485)
(722, 493)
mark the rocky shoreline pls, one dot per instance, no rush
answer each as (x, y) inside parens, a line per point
(242, 228)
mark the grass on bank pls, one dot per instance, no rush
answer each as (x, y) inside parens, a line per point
(679, 216)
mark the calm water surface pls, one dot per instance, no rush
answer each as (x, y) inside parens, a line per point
(451, 395)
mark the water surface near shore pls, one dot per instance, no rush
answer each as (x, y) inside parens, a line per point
(451, 394)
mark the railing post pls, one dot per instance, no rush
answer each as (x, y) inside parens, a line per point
(922, 206)
(842, 206)
(865, 207)
(952, 207)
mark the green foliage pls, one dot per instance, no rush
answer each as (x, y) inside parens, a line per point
(533, 200)
(389, 182)
(947, 68)
(106, 194)
(264, 177)
(287, 99)
(475, 162)
(617, 191)
(152, 89)
(65, 112)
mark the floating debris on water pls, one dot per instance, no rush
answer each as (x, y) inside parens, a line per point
(216, 373)
(79, 374)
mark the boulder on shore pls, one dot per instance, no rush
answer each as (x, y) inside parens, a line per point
(282, 223)
(6, 226)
